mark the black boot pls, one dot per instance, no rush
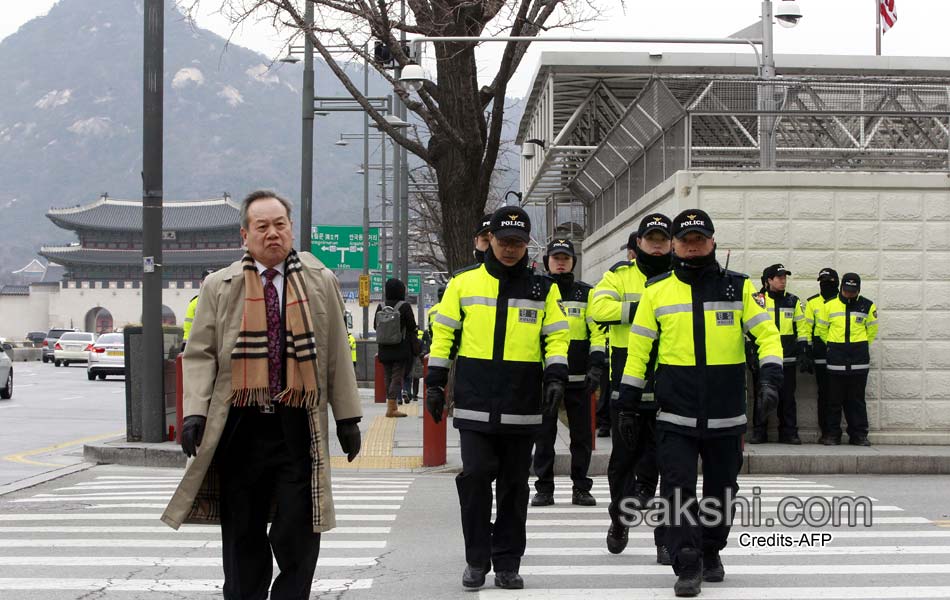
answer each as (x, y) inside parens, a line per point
(474, 577)
(663, 556)
(859, 441)
(713, 570)
(643, 494)
(543, 499)
(757, 438)
(617, 537)
(690, 574)
(581, 498)
(508, 580)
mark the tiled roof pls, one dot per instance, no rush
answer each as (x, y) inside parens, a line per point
(14, 290)
(126, 215)
(77, 255)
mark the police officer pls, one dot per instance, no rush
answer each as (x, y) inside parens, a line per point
(482, 238)
(847, 325)
(352, 341)
(789, 315)
(586, 366)
(504, 328)
(692, 323)
(190, 312)
(433, 311)
(828, 289)
(632, 471)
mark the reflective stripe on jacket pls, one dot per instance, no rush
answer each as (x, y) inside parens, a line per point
(848, 329)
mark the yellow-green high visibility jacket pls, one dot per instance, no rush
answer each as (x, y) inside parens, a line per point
(697, 322)
(507, 335)
(812, 309)
(352, 346)
(587, 340)
(189, 318)
(788, 313)
(430, 317)
(848, 328)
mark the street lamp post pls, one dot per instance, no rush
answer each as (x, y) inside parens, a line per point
(365, 189)
(306, 138)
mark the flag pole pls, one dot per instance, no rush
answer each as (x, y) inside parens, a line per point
(877, 31)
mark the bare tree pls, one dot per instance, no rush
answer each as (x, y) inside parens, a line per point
(464, 120)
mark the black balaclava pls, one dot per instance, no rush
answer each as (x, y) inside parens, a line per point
(653, 265)
(829, 288)
(694, 264)
(565, 281)
(479, 255)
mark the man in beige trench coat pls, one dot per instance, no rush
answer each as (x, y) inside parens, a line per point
(267, 354)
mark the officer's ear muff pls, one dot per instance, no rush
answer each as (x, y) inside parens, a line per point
(545, 261)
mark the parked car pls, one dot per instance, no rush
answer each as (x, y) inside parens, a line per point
(73, 346)
(107, 356)
(50, 341)
(6, 373)
(36, 337)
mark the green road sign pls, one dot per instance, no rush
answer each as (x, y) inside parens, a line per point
(376, 283)
(341, 246)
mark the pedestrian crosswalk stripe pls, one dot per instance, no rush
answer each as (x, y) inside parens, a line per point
(727, 551)
(159, 561)
(160, 529)
(157, 543)
(162, 506)
(837, 532)
(720, 592)
(67, 498)
(158, 585)
(78, 516)
(770, 570)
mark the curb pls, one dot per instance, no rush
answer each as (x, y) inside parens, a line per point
(165, 454)
(42, 478)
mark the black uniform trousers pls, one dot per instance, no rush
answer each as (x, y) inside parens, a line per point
(787, 410)
(722, 459)
(618, 360)
(821, 381)
(846, 390)
(504, 459)
(577, 406)
(264, 461)
(629, 468)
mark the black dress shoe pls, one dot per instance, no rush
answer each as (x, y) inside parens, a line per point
(713, 570)
(831, 440)
(474, 577)
(643, 495)
(582, 498)
(508, 580)
(543, 499)
(757, 438)
(663, 556)
(617, 537)
(794, 440)
(603, 432)
(859, 441)
(689, 580)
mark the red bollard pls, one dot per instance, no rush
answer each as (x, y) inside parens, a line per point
(179, 399)
(433, 434)
(379, 380)
(593, 419)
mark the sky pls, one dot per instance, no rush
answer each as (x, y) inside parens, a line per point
(827, 27)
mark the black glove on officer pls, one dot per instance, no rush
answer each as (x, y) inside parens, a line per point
(350, 440)
(627, 425)
(551, 396)
(435, 402)
(768, 397)
(192, 430)
(595, 374)
(806, 364)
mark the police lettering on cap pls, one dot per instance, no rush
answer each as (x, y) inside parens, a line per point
(851, 282)
(511, 222)
(561, 246)
(655, 222)
(484, 225)
(828, 274)
(693, 220)
(775, 270)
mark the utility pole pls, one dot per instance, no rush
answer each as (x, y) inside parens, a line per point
(766, 97)
(366, 185)
(403, 172)
(153, 349)
(306, 138)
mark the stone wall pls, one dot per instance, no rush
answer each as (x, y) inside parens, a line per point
(891, 228)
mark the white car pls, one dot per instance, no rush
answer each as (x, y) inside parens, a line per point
(107, 356)
(73, 347)
(6, 373)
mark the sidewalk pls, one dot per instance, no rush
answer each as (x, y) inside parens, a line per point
(397, 444)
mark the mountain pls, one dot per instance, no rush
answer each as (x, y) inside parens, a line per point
(71, 121)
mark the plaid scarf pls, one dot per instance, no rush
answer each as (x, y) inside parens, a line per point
(249, 364)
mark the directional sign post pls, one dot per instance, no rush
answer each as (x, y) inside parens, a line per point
(413, 288)
(341, 246)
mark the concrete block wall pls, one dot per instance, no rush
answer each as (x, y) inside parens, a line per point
(891, 228)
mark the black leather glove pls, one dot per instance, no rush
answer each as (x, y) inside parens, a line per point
(604, 327)
(350, 440)
(551, 396)
(627, 425)
(806, 364)
(435, 402)
(595, 374)
(768, 397)
(192, 430)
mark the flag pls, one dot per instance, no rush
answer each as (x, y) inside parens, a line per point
(888, 14)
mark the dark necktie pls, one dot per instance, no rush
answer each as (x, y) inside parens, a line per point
(274, 341)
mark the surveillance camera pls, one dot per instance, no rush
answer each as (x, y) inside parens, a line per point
(788, 13)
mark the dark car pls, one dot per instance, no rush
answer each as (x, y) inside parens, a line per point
(36, 337)
(50, 340)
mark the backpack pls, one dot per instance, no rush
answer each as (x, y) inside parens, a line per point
(389, 330)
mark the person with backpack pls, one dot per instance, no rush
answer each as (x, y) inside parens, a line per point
(395, 330)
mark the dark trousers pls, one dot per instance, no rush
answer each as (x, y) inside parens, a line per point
(618, 360)
(821, 381)
(258, 470)
(630, 468)
(846, 390)
(787, 411)
(504, 460)
(678, 454)
(577, 405)
(394, 373)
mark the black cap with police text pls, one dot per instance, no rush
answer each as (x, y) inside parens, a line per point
(828, 274)
(561, 246)
(511, 222)
(693, 220)
(775, 270)
(851, 282)
(655, 222)
(484, 225)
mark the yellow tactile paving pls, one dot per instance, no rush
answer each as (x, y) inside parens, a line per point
(377, 448)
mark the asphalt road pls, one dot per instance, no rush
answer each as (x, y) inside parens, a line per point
(52, 412)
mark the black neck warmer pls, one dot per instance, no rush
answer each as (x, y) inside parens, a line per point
(500, 271)
(479, 255)
(565, 281)
(829, 289)
(692, 269)
(650, 265)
